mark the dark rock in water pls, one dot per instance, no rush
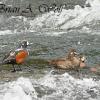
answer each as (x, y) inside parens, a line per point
(88, 5)
(92, 93)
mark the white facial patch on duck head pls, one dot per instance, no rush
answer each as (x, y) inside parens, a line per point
(83, 59)
(12, 54)
(73, 53)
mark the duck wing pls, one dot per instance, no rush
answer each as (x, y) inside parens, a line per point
(9, 58)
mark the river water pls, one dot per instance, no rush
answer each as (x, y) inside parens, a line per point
(50, 36)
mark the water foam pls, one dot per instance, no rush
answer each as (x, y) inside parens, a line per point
(21, 89)
(69, 19)
(85, 19)
(5, 32)
(69, 88)
(60, 87)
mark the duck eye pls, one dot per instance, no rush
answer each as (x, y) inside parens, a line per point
(83, 61)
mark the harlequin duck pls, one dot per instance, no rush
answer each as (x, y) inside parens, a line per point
(18, 56)
(72, 61)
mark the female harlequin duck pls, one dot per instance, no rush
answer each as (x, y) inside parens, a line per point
(18, 56)
(72, 61)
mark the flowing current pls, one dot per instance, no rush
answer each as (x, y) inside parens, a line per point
(51, 35)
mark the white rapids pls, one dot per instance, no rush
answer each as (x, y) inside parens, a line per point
(86, 19)
(51, 87)
(70, 19)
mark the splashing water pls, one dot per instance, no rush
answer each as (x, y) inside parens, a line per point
(60, 87)
(87, 16)
(86, 19)
(21, 89)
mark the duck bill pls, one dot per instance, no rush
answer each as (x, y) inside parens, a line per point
(82, 65)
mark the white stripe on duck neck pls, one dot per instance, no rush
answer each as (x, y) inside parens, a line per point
(21, 48)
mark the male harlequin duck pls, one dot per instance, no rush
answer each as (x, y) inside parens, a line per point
(72, 61)
(18, 56)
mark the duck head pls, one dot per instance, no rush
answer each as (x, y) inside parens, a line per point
(82, 61)
(72, 53)
(24, 44)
